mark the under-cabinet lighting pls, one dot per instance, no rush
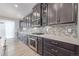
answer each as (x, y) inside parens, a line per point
(16, 5)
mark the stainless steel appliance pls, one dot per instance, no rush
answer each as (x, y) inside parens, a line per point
(33, 42)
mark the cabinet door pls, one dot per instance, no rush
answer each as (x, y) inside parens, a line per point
(44, 14)
(39, 46)
(36, 15)
(38, 10)
(52, 13)
(30, 20)
(22, 24)
(25, 39)
(66, 12)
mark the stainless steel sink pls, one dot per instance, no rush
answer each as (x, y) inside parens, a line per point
(38, 33)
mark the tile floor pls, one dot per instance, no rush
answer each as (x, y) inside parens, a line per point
(17, 48)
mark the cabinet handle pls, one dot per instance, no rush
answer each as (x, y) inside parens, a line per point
(32, 39)
(54, 42)
(54, 50)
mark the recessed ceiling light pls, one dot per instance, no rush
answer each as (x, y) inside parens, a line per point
(16, 5)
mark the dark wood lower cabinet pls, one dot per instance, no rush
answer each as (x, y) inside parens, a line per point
(46, 53)
(57, 51)
(23, 38)
(39, 46)
(58, 48)
(64, 45)
(50, 47)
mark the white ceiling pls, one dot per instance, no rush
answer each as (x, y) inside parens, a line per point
(8, 10)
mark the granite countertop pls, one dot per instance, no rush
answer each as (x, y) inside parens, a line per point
(59, 38)
(62, 38)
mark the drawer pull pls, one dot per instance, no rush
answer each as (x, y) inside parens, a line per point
(54, 43)
(54, 50)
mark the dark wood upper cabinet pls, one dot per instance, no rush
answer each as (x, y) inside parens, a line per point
(38, 11)
(28, 19)
(52, 13)
(22, 24)
(62, 13)
(36, 16)
(68, 12)
(44, 11)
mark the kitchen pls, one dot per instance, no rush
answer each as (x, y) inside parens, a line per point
(46, 26)
(50, 29)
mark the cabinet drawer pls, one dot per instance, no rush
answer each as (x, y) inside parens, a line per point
(57, 50)
(47, 54)
(61, 44)
(77, 51)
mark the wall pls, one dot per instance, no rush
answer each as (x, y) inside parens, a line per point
(2, 29)
(10, 29)
(16, 27)
(69, 30)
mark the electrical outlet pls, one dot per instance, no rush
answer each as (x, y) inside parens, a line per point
(69, 30)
